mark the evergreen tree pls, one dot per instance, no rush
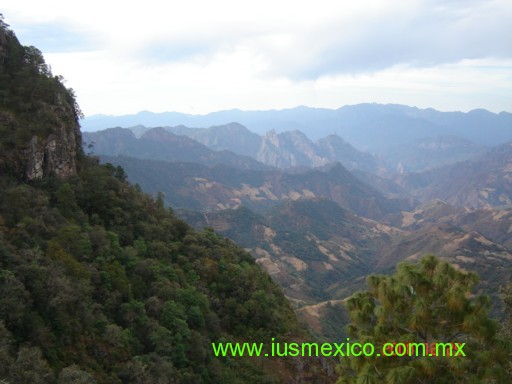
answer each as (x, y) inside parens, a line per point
(429, 302)
(506, 326)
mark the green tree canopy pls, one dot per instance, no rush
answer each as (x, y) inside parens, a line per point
(428, 302)
(506, 326)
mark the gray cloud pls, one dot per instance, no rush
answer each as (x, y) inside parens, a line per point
(432, 32)
(439, 32)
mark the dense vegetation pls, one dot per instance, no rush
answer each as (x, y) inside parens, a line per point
(98, 277)
(99, 283)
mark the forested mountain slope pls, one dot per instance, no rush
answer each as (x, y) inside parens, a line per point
(99, 283)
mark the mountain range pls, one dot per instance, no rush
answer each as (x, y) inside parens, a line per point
(217, 144)
(369, 127)
(158, 143)
(369, 137)
(320, 216)
(482, 181)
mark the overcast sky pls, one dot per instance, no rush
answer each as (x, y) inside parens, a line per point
(199, 56)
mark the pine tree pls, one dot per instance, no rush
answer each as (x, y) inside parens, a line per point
(506, 325)
(428, 302)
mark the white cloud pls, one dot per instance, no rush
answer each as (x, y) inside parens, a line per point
(199, 56)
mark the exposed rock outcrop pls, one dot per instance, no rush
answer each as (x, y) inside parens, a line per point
(53, 155)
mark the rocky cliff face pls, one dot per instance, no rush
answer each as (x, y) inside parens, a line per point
(55, 154)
